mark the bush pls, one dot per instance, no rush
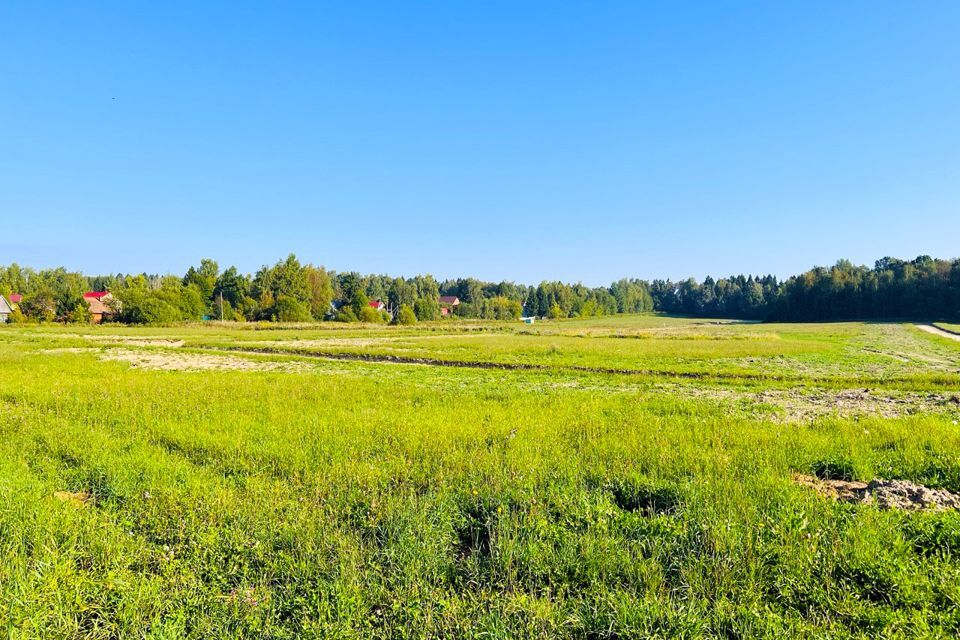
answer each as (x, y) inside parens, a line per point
(426, 309)
(288, 309)
(40, 307)
(79, 313)
(369, 314)
(346, 314)
(405, 315)
(147, 309)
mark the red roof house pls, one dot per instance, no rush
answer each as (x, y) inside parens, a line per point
(97, 301)
(378, 305)
(447, 303)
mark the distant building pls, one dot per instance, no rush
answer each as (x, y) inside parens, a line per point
(98, 303)
(447, 304)
(5, 309)
(529, 319)
(378, 305)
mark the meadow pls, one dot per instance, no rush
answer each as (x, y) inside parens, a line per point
(622, 477)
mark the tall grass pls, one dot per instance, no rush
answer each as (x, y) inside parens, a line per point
(369, 500)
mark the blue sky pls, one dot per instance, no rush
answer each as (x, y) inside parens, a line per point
(505, 140)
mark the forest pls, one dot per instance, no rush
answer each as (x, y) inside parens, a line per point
(289, 291)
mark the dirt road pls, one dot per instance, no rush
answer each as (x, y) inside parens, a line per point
(929, 328)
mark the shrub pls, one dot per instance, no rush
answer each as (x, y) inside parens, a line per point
(426, 309)
(289, 309)
(79, 313)
(369, 314)
(346, 314)
(405, 316)
(147, 309)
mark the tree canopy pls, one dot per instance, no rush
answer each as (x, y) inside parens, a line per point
(923, 288)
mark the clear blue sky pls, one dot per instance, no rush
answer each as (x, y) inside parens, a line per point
(580, 141)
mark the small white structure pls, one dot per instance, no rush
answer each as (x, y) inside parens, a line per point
(529, 319)
(5, 309)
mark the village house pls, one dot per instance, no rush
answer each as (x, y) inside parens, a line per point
(447, 304)
(5, 309)
(98, 303)
(378, 305)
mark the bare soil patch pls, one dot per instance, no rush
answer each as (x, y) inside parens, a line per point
(886, 494)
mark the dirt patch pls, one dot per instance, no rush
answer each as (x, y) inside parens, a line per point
(937, 331)
(843, 490)
(886, 494)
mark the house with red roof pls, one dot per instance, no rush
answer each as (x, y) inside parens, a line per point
(447, 304)
(99, 304)
(378, 305)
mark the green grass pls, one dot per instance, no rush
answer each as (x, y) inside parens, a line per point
(368, 500)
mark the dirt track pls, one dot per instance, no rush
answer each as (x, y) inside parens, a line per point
(937, 331)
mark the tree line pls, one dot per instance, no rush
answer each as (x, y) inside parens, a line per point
(924, 288)
(289, 291)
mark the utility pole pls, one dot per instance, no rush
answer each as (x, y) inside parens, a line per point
(221, 306)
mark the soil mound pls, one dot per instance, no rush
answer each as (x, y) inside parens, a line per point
(886, 494)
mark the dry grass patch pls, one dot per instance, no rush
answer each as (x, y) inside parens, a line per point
(74, 498)
(183, 361)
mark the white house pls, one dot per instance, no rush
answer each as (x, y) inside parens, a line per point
(5, 309)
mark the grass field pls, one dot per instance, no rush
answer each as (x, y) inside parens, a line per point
(605, 478)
